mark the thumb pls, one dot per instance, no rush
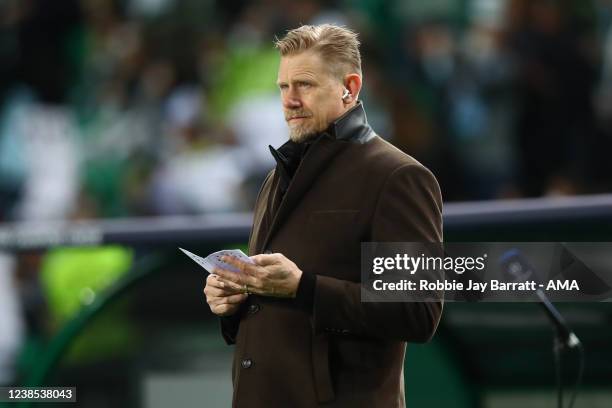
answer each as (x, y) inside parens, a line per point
(265, 259)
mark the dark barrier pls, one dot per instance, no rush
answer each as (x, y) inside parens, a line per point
(461, 220)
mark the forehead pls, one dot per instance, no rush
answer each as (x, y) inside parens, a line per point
(305, 64)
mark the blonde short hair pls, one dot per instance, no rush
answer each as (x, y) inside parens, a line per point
(336, 44)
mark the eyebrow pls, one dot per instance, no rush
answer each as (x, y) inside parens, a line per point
(307, 80)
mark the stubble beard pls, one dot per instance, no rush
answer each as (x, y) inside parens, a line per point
(299, 134)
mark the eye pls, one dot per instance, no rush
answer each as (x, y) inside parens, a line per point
(283, 87)
(303, 84)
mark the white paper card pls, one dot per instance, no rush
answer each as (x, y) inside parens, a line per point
(214, 260)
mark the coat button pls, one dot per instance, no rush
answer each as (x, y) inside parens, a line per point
(247, 363)
(253, 308)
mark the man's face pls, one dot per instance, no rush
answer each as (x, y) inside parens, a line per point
(312, 97)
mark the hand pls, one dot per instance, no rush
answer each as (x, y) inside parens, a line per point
(224, 298)
(271, 275)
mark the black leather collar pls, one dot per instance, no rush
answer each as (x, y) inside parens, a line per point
(352, 126)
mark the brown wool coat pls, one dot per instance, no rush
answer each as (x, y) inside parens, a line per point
(351, 186)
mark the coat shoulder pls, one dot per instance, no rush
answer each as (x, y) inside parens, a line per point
(385, 158)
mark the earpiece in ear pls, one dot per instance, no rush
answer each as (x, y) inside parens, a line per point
(346, 94)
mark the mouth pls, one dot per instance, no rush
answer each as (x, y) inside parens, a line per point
(297, 118)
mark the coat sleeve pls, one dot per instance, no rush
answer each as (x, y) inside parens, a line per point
(409, 209)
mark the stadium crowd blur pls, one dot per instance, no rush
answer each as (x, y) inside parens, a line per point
(119, 108)
(152, 107)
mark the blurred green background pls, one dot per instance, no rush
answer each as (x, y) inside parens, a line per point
(112, 109)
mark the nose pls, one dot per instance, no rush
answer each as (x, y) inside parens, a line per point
(291, 100)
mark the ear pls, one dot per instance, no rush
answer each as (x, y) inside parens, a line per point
(352, 82)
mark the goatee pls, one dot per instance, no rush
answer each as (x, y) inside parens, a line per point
(300, 136)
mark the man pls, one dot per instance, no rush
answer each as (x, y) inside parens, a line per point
(303, 337)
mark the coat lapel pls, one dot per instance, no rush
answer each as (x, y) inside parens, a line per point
(316, 160)
(352, 127)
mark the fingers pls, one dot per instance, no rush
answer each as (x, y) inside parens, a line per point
(224, 306)
(236, 280)
(243, 267)
(223, 275)
(216, 286)
(212, 292)
(259, 278)
(228, 300)
(269, 275)
(224, 310)
(266, 259)
(221, 303)
(225, 290)
(213, 281)
(230, 286)
(225, 284)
